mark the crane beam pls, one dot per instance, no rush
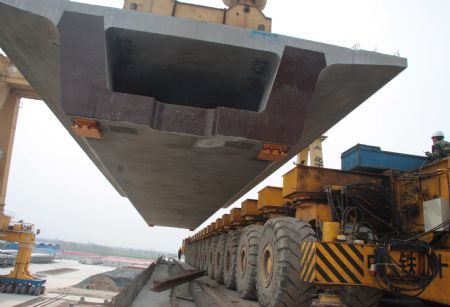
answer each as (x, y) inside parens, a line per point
(13, 86)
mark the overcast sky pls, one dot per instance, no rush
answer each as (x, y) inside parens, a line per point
(55, 186)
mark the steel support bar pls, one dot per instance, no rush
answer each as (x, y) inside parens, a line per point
(173, 281)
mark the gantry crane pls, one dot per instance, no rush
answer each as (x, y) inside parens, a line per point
(13, 86)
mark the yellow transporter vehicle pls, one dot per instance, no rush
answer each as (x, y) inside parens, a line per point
(20, 280)
(337, 236)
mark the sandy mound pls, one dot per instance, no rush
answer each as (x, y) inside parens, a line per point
(110, 281)
(98, 282)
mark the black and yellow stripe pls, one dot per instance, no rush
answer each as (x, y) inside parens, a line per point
(307, 261)
(339, 263)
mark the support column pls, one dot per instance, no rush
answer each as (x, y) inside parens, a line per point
(9, 107)
(312, 155)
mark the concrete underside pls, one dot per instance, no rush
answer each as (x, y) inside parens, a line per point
(185, 107)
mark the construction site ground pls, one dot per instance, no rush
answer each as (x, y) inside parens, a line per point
(60, 290)
(199, 293)
(205, 292)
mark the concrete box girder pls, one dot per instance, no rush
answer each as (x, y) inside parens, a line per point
(185, 106)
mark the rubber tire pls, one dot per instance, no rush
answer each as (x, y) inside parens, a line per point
(17, 289)
(2, 288)
(198, 259)
(211, 250)
(204, 248)
(359, 296)
(284, 235)
(205, 254)
(246, 279)
(196, 251)
(10, 288)
(23, 290)
(219, 257)
(230, 259)
(43, 288)
(37, 291)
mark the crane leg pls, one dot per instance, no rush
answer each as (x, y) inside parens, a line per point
(9, 107)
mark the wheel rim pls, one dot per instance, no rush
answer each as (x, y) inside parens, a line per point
(267, 265)
(243, 261)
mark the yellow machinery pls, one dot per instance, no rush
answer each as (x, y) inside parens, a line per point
(241, 13)
(337, 238)
(12, 87)
(20, 280)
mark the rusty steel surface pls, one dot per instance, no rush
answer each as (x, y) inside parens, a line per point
(184, 107)
(173, 281)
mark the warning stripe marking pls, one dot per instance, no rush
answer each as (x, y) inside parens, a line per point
(306, 261)
(350, 259)
(328, 267)
(357, 252)
(344, 267)
(331, 263)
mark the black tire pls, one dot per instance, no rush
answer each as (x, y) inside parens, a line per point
(247, 259)
(36, 291)
(17, 289)
(10, 288)
(196, 253)
(43, 289)
(219, 256)
(278, 280)
(230, 259)
(211, 252)
(203, 254)
(359, 296)
(187, 254)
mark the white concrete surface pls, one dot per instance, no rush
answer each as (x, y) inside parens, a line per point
(147, 298)
(56, 282)
(65, 279)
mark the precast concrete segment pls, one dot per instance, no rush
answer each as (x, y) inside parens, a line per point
(185, 106)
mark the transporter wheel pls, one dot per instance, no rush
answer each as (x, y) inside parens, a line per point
(278, 280)
(203, 255)
(219, 256)
(211, 252)
(37, 291)
(10, 288)
(196, 255)
(187, 254)
(2, 288)
(358, 296)
(247, 259)
(17, 289)
(191, 254)
(23, 289)
(43, 288)
(230, 259)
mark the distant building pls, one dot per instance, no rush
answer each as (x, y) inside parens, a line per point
(91, 260)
